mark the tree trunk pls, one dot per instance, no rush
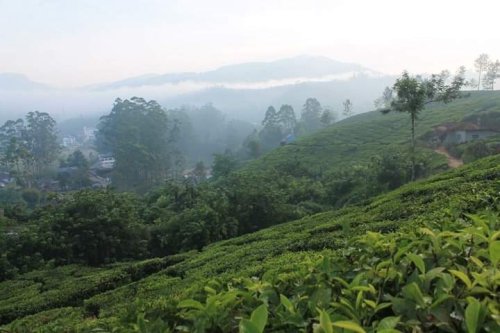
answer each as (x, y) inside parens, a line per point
(479, 79)
(412, 147)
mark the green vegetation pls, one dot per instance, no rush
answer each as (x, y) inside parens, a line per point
(28, 146)
(223, 281)
(67, 286)
(360, 266)
(412, 94)
(137, 133)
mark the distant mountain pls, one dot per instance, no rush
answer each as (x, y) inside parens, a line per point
(291, 68)
(15, 81)
(242, 91)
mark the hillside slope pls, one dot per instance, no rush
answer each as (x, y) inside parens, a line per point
(356, 158)
(358, 138)
(282, 249)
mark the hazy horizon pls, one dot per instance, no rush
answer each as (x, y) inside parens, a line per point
(78, 43)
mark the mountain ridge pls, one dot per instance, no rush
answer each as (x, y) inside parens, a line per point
(248, 72)
(17, 81)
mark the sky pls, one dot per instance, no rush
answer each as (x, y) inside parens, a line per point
(70, 43)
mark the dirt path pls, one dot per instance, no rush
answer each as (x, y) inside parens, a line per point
(452, 161)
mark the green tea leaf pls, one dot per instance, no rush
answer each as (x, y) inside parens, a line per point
(388, 322)
(495, 236)
(190, 303)
(413, 292)
(209, 290)
(464, 278)
(259, 317)
(494, 249)
(473, 315)
(476, 261)
(349, 325)
(287, 304)
(246, 326)
(418, 261)
(325, 322)
(370, 303)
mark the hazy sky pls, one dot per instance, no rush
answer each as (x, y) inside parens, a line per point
(79, 42)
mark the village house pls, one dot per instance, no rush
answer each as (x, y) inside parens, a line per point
(89, 134)
(454, 133)
(104, 162)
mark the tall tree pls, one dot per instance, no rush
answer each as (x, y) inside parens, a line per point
(287, 119)
(136, 132)
(28, 146)
(42, 139)
(410, 94)
(14, 150)
(271, 117)
(327, 117)
(492, 74)
(271, 134)
(481, 65)
(347, 112)
(311, 115)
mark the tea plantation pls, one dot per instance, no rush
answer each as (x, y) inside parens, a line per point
(358, 138)
(422, 258)
(357, 257)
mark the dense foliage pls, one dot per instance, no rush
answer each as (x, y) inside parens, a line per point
(441, 277)
(29, 145)
(342, 167)
(243, 273)
(90, 227)
(138, 135)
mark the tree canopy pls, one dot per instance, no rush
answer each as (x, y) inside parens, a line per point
(137, 133)
(410, 94)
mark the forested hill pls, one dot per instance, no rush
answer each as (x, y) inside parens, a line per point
(363, 155)
(357, 139)
(412, 268)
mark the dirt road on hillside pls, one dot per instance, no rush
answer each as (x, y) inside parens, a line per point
(452, 161)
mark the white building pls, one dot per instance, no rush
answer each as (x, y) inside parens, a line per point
(89, 134)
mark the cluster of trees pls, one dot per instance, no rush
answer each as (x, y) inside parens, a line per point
(74, 172)
(28, 146)
(491, 70)
(91, 227)
(151, 145)
(97, 227)
(205, 130)
(140, 137)
(279, 127)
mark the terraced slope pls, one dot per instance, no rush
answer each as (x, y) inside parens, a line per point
(280, 249)
(358, 138)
